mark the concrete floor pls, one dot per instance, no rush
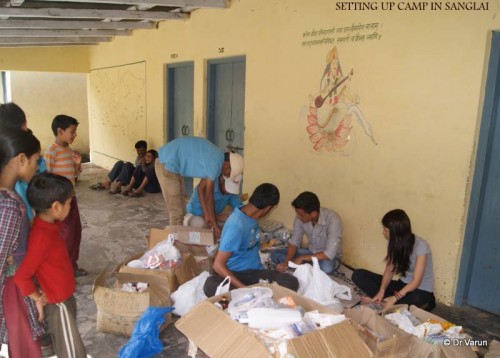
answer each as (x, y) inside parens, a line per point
(114, 227)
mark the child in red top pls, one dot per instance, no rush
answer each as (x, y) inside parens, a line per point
(47, 259)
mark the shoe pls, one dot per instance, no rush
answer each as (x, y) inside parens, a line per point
(81, 272)
(115, 188)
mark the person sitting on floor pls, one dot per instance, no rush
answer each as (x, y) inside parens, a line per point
(238, 255)
(144, 177)
(408, 256)
(121, 173)
(195, 214)
(323, 228)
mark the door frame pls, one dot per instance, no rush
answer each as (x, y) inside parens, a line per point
(481, 168)
(167, 67)
(209, 97)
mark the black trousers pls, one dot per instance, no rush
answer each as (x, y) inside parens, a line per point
(370, 282)
(251, 277)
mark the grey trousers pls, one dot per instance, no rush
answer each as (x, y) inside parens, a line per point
(61, 319)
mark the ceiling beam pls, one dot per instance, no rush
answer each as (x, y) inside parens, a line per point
(90, 14)
(52, 40)
(61, 33)
(220, 4)
(60, 24)
(49, 44)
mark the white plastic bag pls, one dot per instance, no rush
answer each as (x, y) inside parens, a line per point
(304, 275)
(189, 294)
(319, 287)
(167, 249)
(223, 286)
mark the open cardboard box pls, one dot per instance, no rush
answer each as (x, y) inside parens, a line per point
(420, 348)
(217, 335)
(199, 242)
(175, 276)
(384, 339)
(117, 311)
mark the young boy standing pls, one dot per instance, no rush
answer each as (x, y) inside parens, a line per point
(47, 259)
(60, 159)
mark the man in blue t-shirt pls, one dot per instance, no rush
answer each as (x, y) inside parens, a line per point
(238, 255)
(223, 199)
(196, 158)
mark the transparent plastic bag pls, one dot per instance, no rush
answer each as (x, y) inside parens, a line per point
(244, 299)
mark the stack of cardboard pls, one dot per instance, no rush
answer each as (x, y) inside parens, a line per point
(199, 242)
(117, 311)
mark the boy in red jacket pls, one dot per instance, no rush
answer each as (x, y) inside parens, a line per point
(47, 259)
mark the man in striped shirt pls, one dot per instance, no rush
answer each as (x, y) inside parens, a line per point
(61, 159)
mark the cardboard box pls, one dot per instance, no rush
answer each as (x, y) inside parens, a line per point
(176, 277)
(199, 242)
(205, 264)
(117, 311)
(199, 239)
(384, 339)
(217, 335)
(421, 348)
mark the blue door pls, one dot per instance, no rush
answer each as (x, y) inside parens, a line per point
(479, 280)
(180, 79)
(226, 103)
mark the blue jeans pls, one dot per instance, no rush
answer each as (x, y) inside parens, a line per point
(327, 266)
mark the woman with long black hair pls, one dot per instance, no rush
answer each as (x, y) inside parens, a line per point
(409, 257)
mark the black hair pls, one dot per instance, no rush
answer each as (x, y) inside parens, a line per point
(62, 121)
(401, 240)
(14, 142)
(264, 195)
(47, 188)
(153, 152)
(306, 201)
(11, 116)
(227, 156)
(141, 144)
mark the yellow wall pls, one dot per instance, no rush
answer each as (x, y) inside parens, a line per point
(418, 85)
(58, 59)
(43, 95)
